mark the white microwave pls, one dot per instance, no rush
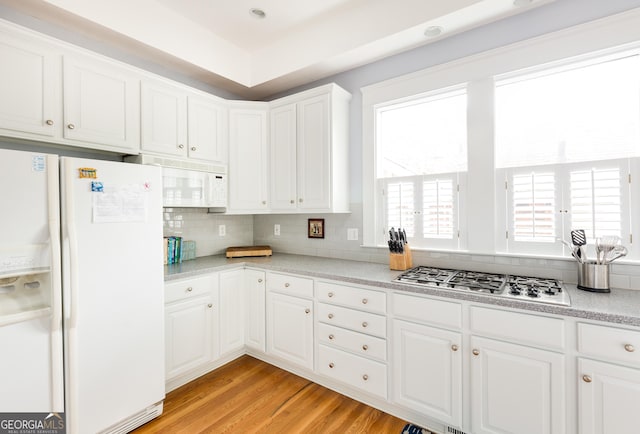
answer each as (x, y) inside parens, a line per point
(190, 184)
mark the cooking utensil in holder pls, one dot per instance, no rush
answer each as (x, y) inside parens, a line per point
(593, 277)
(401, 261)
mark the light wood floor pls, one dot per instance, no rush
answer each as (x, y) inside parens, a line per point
(250, 396)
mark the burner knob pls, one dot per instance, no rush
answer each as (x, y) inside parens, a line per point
(533, 292)
(515, 290)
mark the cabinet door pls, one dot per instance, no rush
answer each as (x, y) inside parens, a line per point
(248, 183)
(283, 193)
(101, 105)
(516, 389)
(290, 329)
(28, 101)
(608, 398)
(188, 335)
(313, 153)
(231, 311)
(164, 119)
(206, 131)
(427, 371)
(255, 313)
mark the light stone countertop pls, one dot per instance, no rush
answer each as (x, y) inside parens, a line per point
(621, 306)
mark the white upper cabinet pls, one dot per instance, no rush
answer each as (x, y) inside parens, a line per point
(248, 191)
(207, 131)
(101, 104)
(29, 101)
(164, 119)
(309, 151)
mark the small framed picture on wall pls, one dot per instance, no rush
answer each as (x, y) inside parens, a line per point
(316, 228)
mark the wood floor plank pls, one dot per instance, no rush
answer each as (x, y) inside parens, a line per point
(250, 396)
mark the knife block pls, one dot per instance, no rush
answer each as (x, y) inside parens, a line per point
(401, 261)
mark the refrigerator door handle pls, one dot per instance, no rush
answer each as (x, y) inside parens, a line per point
(57, 369)
(71, 343)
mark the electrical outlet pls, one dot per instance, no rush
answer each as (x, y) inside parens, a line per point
(276, 230)
(352, 234)
(222, 230)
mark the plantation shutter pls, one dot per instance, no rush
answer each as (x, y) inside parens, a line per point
(401, 206)
(534, 206)
(438, 208)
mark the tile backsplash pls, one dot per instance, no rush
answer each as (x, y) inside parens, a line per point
(203, 227)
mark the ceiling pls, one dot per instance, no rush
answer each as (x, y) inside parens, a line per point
(220, 42)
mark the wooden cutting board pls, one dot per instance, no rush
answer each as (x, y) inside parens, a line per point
(239, 252)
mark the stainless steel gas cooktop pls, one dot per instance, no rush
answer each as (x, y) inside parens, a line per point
(524, 288)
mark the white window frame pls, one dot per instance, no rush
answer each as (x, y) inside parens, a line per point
(616, 33)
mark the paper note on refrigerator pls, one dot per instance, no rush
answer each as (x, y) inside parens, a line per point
(119, 204)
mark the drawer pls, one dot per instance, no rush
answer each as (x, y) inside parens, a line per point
(359, 343)
(610, 343)
(353, 370)
(187, 288)
(351, 296)
(427, 310)
(287, 284)
(359, 321)
(521, 328)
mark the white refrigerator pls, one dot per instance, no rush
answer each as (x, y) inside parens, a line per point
(107, 313)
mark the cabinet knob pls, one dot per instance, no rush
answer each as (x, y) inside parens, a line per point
(264, 202)
(193, 148)
(286, 285)
(587, 379)
(330, 294)
(475, 352)
(629, 348)
(365, 377)
(307, 310)
(189, 289)
(365, 324)
(454, 347)
(210, 305)
(331, 365)
(300, 200)
(330, 315)
(181, 146)
(49, 122)
(365, 301)
(71, 126)
(331, 337)
(365, 347)
(259, 280)
(292, 201)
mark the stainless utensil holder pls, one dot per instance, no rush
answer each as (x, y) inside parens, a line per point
(593, 277)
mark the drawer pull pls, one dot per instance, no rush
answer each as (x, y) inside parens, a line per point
(475, 352)
(193, 148)
(330, 315)
(365, 347)
(454, 347)
(71, 126)
(189, 289)
(307, 310)
(210, 305)
(365, 301)
(629, 348)
(365, 377)
(331, 337)
(259, 280)
(49, 122)
(587, 379)
(286, 285)
(181, 146)
(331, 365)
(330, 294)
(365, 324)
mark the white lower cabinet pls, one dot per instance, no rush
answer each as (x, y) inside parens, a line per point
(427, 371)
(255, 336)
(232, 310)
(516, 389)
(290, 328)
(608, 392)
(191, 315)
